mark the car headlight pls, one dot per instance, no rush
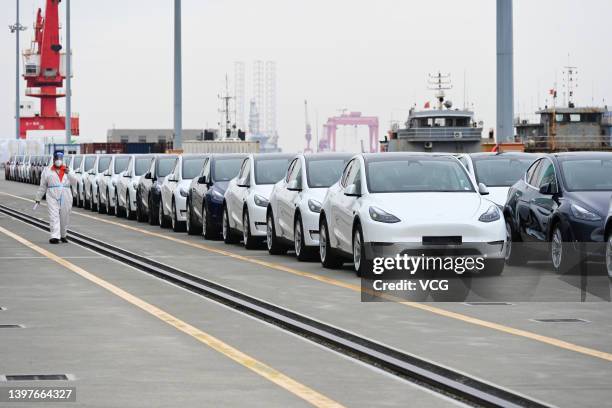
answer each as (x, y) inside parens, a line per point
(314, 206)
(135, 185)
(583, 214)
(492, 214)
(183, 192)
(114, 183)
(382, 216)
(260, 201)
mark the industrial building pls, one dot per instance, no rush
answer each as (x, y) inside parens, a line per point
(157, 135)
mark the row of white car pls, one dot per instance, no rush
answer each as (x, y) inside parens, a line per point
(328, 205)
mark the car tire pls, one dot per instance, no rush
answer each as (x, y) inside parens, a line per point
(190, 225)
(561, 252)
(207, 228)
(119, 211)
(101, 208)
(302, 252)
(250, 242)
(274, 245)
(329, 257)
(78, 197)
(129, 214)
(86, 203)
(162, 220)
(93, 206)
(140, 216)
(177, 226)
(515, 254)
(153, 213)
(362, 265)
(110, 210)
(228, 235)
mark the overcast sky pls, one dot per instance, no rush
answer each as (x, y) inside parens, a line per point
(368, 56)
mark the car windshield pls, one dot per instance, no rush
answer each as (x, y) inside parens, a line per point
(417, 175)
(270, 171)
(103, 163)
(587, 174)
(192, 167)
(165, 166)
(76, 163)
(226, 169)
(142, 166)
(324, 173)
(121, 164)
(89, 162)
(500, 171)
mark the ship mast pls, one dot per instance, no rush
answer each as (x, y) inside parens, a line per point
(439, 82)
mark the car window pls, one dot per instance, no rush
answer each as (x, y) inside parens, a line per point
(500, 171)
(587, 174)
(270, 171)
(76, 163)
(353, 176)
(89, 163)
(417, 175)
(206, 169)
(192, 166)
(532, 173)
(243, 169)
(141, 165)
(165, 166)
(546, 175)
(324, 173)
(121, 163)
(347, 170)
(225, 169)
(289, 170)
(103, 163)
(296, 172)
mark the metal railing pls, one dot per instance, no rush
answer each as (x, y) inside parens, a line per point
(440, 134)
(568, 143)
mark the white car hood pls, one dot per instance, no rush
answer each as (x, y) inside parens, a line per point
(498, 195)
(263, 190)
(429, 207)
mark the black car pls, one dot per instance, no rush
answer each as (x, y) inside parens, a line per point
(562, 201)
(205, 200)
(148, 194)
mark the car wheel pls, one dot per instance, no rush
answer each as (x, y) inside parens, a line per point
(101, 208)
(329, 258)
(515, 255)
(190, 224)
(94, 206)
(177, 226)
(561, 253)
(129, 214)
(86, 203)
(609, 255)
(249, 240)
(228, 236)
(139, 212)
(207, 227)
(78, 197)
(110, 209)
(302, 252)
(362, 265)
(153, 213)
(162, 219)
(275, 247)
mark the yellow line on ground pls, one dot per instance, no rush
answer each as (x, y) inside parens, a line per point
(331, 281)
(269, 373)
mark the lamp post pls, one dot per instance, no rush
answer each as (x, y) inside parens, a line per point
(68, 79)
(16, 28)
(178, 93)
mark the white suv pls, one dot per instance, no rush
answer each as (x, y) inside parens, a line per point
(246, 198)
(295, 203)
(127, 185)
(175, 190)
(399, 201)
(108, 182)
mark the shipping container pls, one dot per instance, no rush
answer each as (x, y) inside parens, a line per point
(66, 148)
(220, 146)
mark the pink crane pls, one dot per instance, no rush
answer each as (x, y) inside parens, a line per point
(328, 143)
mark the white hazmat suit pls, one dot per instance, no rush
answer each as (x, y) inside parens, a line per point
(59, 199)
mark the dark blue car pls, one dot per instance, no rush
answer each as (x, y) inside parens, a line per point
(562, 206)
(205, 200)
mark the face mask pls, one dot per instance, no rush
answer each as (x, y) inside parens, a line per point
(58, 163)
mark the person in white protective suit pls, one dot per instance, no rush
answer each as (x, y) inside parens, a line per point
(55, 182)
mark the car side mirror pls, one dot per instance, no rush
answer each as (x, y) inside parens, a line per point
(294, 185)
(148, 175)
(244, 183)
(352, 191)
(482, 189)
(126, 174)
(202, 180)
(548, 189)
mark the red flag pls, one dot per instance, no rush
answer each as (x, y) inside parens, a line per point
(551, 91)
(495, 148)
(427, 105)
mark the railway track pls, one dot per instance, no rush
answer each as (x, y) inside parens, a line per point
(409, 367)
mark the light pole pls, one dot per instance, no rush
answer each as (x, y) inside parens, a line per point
(68, 79)
(16, 28)
(178, 104)
(505, 73)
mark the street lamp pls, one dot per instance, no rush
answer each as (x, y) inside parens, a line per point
(16, 28)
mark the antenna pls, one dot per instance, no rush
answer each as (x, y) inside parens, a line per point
(226, 98)
(439, 83)
(571, 82)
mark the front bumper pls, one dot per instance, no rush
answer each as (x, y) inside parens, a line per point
(181, 207)
(257, 218)
(310, 225)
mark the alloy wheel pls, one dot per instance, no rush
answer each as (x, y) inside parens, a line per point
(609, 256)
(225, 225)
(204, 219)
(323, 242)
(188, 220)
(128, 207)
(297, 237)
(357, 250)
(508, 241)
(245, 228)
(269, 232)
(556, 248)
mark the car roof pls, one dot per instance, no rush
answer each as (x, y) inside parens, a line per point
(228, 155)
(369, 157)
(495, 155)
(327, 155)
(264, 156)
(582, 155)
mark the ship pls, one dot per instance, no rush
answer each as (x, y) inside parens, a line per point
(441, 128)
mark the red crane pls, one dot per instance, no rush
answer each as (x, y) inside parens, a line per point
(44, 73)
